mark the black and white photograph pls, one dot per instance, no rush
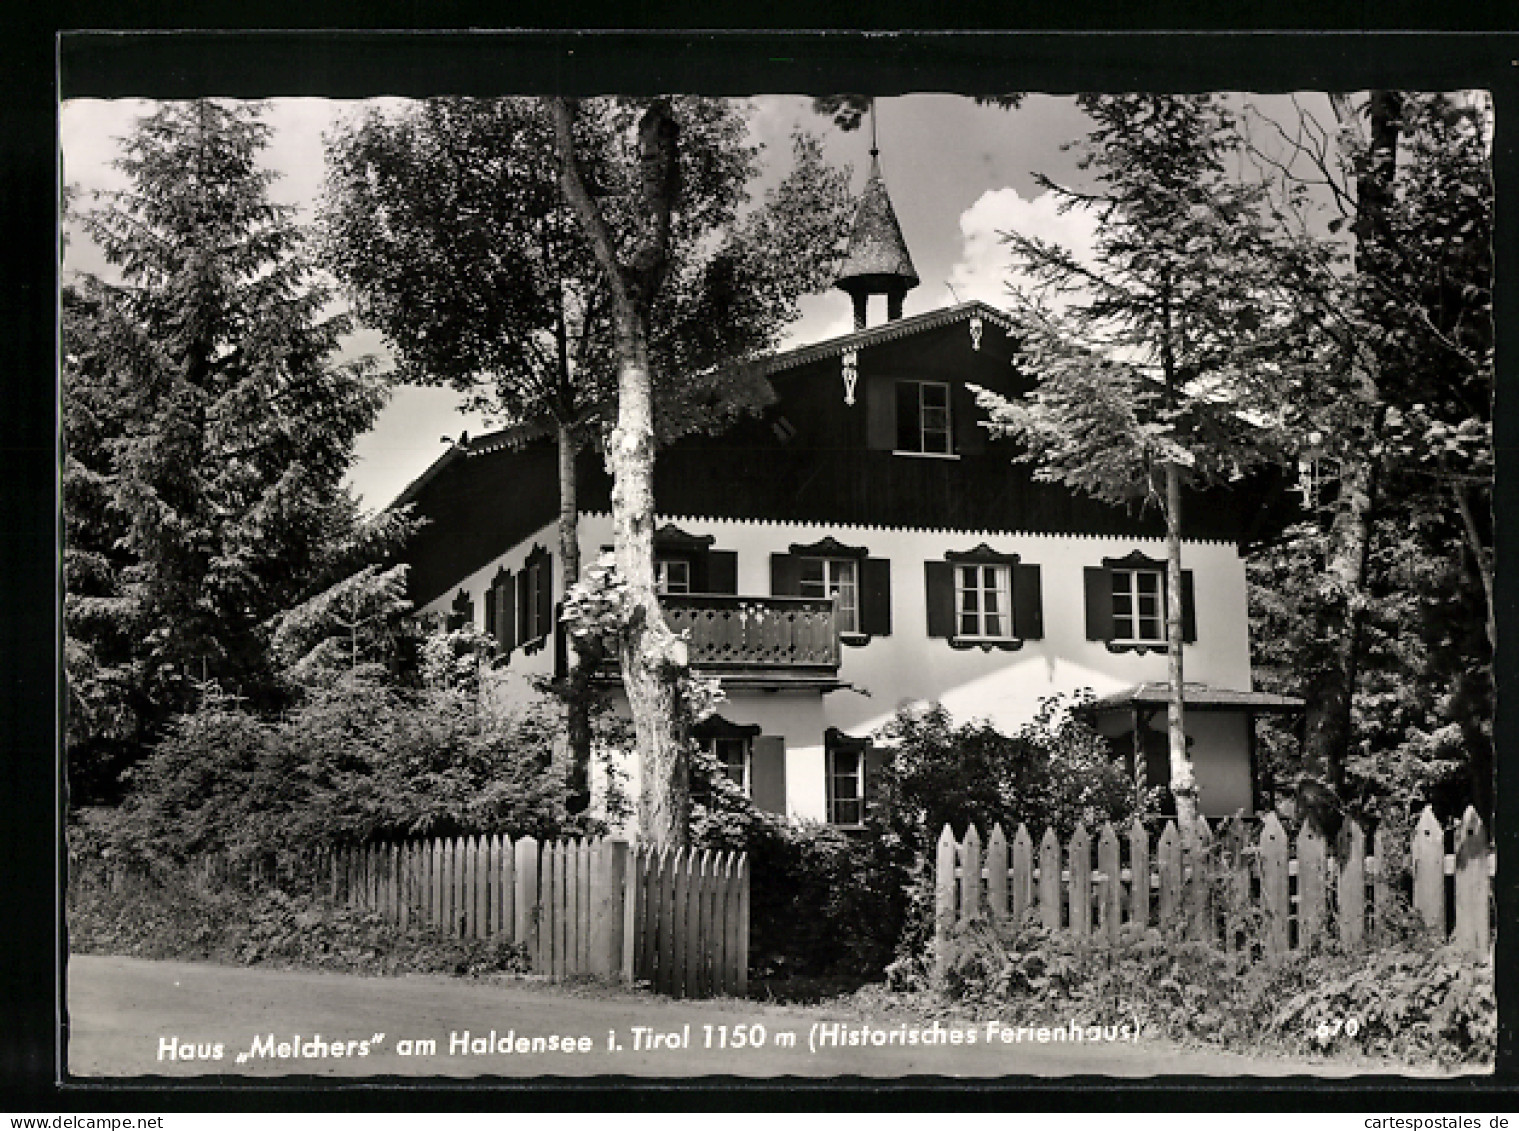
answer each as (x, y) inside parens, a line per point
(586, 581)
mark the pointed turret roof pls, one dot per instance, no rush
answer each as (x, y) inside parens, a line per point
(877, 261)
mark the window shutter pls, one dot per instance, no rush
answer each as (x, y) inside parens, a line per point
(506, 606)
(939, 586)
(1188, 609)
(545, 621)
(875, 763)
(785, 576)
(722, 572)
(1028, 603)
(875, 596)
(970, 437)
(561, 645)
(909, 433)
(524, 611)
(490, 608)
(767, 773)
(1099, 601)
(880, 415)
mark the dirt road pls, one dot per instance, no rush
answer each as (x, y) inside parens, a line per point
(130, 1017)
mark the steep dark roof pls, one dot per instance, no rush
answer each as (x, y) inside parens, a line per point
(885, 332)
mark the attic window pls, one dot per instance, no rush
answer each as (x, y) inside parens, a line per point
(923, 419)
(784, 430)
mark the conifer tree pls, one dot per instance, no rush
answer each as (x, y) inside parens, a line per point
(207, 431)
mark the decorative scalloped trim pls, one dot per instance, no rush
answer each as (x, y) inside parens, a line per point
(966, 532)
(1116, 647)
(827, 547)
(980, 555)
(962, 645)
(886, 332)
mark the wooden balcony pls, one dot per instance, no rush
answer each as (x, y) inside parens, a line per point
(766, 642)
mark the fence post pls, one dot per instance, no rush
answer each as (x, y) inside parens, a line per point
(996, 873)
(970, 874)
(743, 926)
(1023, 874)
(1081, 882)
(1200, 881)
(1049, 881)
(1274, 895)
(526, 902)
(609, 867)
(631, 878)
(1168, 863)
(1351, 917)
(944, 898)
(1310, 885)
(1388, 861)
(1109, 884)
(1139, 874)
(1472, 885)
(1429, 871)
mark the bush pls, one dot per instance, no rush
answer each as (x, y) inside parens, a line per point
(1411, 1000)
(361, 760)
(822, 901)
(174, 917)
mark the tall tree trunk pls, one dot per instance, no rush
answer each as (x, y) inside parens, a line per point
(577, 695)
(1183, 780)
(1331, 691)
(654, 659)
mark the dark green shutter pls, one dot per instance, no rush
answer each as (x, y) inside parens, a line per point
(1188, 609)
(1099, 602)
(1028, 603)
(880, 415)
(909, 424)
(767, 773)
(875, 764)
(875, 597)
(939, 586)
(970, 437)
(722, 571)
(785, 576)
(524, 611)
(506, 606)
(561, 645)
(545, 595)
(490, 608)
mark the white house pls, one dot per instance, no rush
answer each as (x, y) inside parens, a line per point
(864, 543)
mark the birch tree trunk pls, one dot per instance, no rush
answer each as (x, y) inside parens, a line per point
(653, 658)
(577, 703)
(1183, 780)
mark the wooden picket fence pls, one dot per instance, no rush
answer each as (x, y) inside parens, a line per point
(675, 919)
(1203, 884)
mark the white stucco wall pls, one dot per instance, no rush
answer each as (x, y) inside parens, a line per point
(910, 666)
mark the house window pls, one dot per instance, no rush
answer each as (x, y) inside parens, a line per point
(535, 610)
(837, 578)
(672, 575)
(846, 786)
(923, 423)
(733, 755)
(983, 602)
(1138, 615)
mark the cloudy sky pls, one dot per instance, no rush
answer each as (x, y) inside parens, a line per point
(958, 174)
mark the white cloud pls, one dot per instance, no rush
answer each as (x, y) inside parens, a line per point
(984, 270)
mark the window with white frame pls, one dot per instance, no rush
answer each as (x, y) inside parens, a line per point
(923, 423)
(733, 755)
(846, 786)
(1138, 610)
(672, 575)
(838, 578)
(983, 602)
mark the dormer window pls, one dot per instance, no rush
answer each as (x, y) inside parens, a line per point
(923, 418)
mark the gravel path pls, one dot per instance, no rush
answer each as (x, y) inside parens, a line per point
(131, 1017)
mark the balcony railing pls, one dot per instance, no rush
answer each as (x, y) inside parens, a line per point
(775, 633)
